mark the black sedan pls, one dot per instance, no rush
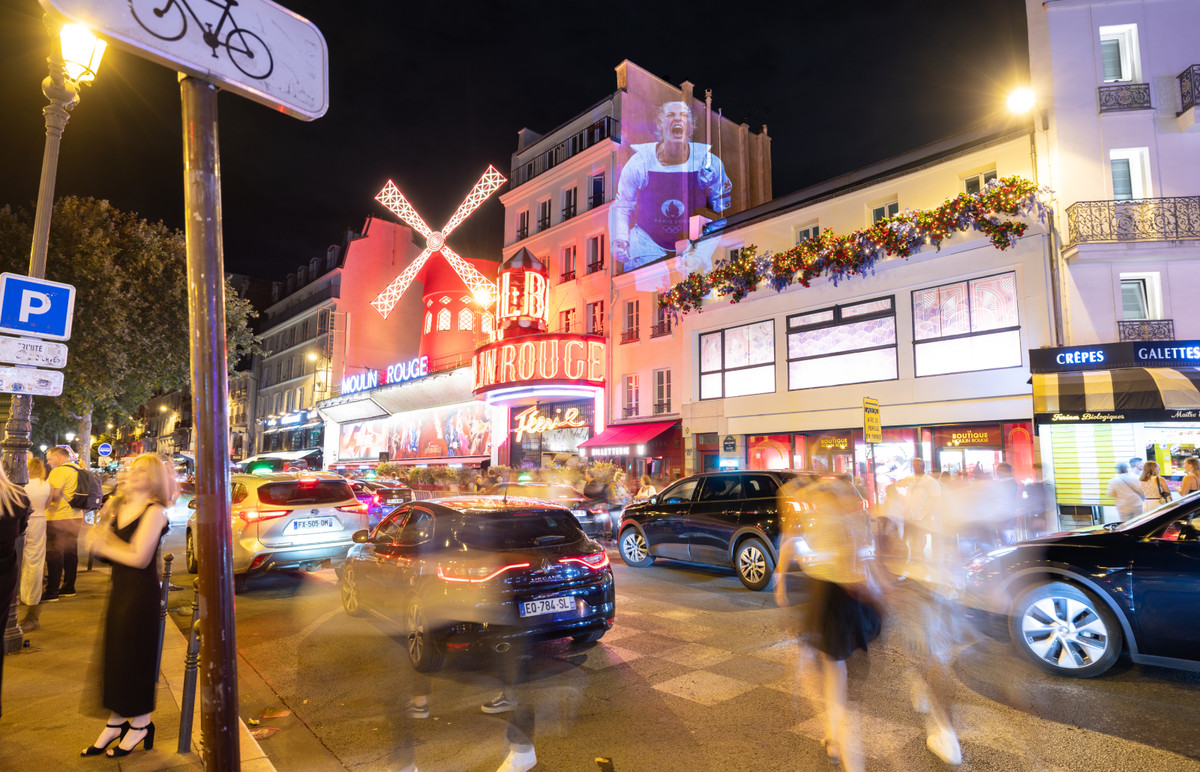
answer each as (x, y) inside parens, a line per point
(1074, 601)
(474, 572)
(595, 516)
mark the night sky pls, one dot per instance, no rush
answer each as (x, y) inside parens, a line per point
(430, 93)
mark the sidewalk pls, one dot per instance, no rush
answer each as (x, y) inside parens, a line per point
(47, 683)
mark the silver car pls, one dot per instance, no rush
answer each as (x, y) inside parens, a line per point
(286, 522)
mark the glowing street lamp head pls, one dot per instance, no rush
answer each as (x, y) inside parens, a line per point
(81, 52)
(1021, 101)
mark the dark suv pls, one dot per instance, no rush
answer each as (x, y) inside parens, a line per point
(719, 518)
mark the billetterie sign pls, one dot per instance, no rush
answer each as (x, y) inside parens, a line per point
(392, 374)
(546, 358)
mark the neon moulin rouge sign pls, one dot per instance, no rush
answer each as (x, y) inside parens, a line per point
(532, 421)
(535, 359)
(397, 373)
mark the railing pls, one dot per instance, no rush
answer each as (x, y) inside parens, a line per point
(1189, 87)
(662, 407)
(595, 266)
(522, 232)
(596, 199)
(629, 411)
(567, 276)
(596, 330)
(543, 223)
(303, 305)
(629, 336)
(1146, 329)
(1147, 219)
(660, 329)
(573, 145)
(1125, 96)
(568, 212)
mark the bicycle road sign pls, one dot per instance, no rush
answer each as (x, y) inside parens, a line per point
(253, 48)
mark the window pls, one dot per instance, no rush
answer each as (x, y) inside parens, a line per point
(428, 322)
(486, 324)
(662, 321)
(597, 190)
(1119, 58)
(570, 200)
(466, 320)
(738, 361)
(595, 317)
(443, 319)
(300, 398)
(287, 401)
(735, 253)
(632, 388)
(807, 232)
(884, 210)
(632, 315)
(566, 320)
(853, 343)
(595, 254)
(1130, 173)
(1141, 296)
(568, 263)
(975, 182)
(662, 392)
(523, 224)
(544, 215)
(967, 326)
(287, 369)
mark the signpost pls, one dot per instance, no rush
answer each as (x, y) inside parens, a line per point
(29, 380)
(33, 352)
(266, 53)
(104, 449)
(36, 307)
(872, 433)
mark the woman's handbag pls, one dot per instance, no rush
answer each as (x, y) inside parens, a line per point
(1164, 492)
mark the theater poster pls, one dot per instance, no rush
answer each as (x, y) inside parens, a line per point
(455, 431)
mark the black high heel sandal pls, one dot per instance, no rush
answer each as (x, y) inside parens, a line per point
(92, 750)
(147, 741)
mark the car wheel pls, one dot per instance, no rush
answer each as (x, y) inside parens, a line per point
(189, 554)
(590, 637)
(349, 588)
(634, 550)
(754, 564)
(423, 652)
(1065, 630)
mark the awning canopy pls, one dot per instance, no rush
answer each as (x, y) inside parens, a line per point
(628, 434)
(1126, 394)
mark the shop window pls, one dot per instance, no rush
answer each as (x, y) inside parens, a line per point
(738, 361)
(852, 343)
(769, 451)
(967, 326)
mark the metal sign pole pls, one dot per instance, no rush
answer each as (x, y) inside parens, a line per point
(210, 398)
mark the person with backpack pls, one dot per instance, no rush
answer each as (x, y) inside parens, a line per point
(64, 520)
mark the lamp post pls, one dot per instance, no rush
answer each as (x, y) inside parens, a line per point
(72, 63)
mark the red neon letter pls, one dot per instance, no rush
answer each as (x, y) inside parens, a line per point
(595, 361)
(573, 364)
(526, 360)
(548, 366)
(508, 359)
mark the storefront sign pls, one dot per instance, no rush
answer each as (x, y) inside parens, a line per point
(610, 450)
(534, 359)
(1168, 353)
(833, 442)
(397, 373)
(523, 294)
(872, 426)
(960, 436)
(530, 421)
(729, 445)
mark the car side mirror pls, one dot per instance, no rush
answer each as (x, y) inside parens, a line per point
(654, 499)
(361, 537)
(192, 504)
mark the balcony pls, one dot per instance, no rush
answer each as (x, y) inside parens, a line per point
(595, 266)
(629, 336)
(661, 408)
(1146, 329)
(1148, 219)
(283, 314)
(597, 329)
(660, 329)
(566, 276)
(568, 212)
(544, 223)
(1189, 87)
(573, 145)
(522, 232)
(597, 199)
(629, 411)
(1119, 97)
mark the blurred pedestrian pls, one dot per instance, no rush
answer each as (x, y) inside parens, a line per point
(33, 559)
(1154, 488)
(14, 517)
(1136, 465)
(62, 526)
(1126, 490)
(920, 502)
(646, 490)
(1191, 477)
(128, 536)
(843, 613)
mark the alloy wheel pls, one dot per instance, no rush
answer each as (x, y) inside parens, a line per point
(1064, 632)
(752, 564)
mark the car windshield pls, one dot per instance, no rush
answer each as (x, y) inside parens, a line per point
(1155, 513)
(516, 531)
(304, 492)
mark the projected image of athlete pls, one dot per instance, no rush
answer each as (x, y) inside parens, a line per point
(660, 186)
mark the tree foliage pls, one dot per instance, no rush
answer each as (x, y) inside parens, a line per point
(129, 338)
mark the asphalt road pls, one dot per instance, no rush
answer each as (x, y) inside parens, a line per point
(697, 674)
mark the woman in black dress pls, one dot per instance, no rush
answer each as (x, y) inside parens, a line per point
(14, 516)
(129, 537)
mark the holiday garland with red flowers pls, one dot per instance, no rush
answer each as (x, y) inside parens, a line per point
(990, 211)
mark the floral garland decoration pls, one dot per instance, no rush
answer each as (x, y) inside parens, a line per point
(990, 211)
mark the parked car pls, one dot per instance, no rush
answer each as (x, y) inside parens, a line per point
(471, 572)
(595, 517)
(380, 497)
(285, 522)
(718, 518)
(1072, 602)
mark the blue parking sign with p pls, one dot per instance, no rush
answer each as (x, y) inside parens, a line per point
(35, 307)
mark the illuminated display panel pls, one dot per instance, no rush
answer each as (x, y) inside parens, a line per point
(442, 432)
(967, 326)
(546, 358)
(853, 343)
(738, 361)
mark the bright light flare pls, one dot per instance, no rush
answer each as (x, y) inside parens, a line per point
(1021, 101)
(81, 52)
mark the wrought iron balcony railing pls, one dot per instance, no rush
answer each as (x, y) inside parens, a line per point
(662, 407)
(1147, 219)
(660, 329)
(1189, 87)
(543, 223)
(1117, 97)
(629, 411)
(598, 132)
(597, 329)
(567, 276)
(568, 212)
(597, 265)
(522, 232)
(629, 336)
(596, 199)
(1146, 329)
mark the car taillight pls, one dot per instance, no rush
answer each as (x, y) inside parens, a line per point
(801, 506)
(474, 575)
(596, 561)
(255, 515)
(359, 507)
(375, 498)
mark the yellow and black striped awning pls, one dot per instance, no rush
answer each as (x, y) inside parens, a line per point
(1125, 394)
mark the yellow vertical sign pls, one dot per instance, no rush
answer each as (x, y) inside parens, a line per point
(872, 427)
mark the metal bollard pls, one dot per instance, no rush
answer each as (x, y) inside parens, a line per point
(165, 587)
(190, 662)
